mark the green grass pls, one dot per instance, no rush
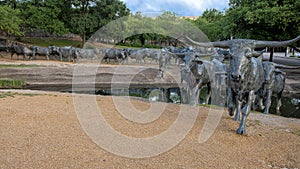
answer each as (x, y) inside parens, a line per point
(12, 83)
(13, 94)
(18, 66)
(45, 42)
(7, 94)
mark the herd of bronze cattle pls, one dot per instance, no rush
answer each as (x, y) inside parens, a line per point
(245, 82)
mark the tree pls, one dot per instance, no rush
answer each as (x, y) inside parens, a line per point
(91, 15)
(266, 19)
(212, 15)
(212, 24)
(43, 15)
(10, 20)
(12, 3)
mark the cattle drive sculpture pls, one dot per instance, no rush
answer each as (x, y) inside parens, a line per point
(247, 80)
(245, 73)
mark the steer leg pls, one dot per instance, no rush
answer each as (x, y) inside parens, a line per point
(268, 102)
(245, 113)
(279, 95)
(195, 95)
(208, 93)
(184, 95)
(60, 57)
(261, 104)
(238, 108)
(230, 101)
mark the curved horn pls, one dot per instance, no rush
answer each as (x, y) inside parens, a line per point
(221, 44)
(261, 44)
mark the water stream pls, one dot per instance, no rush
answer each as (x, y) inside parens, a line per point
(290, 106)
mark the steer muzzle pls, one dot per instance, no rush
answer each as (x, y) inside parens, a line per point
(235, 76)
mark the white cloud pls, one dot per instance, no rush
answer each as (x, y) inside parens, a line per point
(181, 7)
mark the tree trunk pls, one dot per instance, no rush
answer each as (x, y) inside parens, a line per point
(83, 39)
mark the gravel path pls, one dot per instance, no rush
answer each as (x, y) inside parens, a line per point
(41, 130)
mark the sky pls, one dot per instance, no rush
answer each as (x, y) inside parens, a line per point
(180, 7)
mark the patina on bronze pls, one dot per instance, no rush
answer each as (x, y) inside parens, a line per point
(245, 74)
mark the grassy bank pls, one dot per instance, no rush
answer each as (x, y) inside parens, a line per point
(12, 84)
(45, 42)
(18, 66)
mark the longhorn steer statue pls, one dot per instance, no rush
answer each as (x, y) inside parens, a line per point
(67, 52)
(4, 48)
(273, 85)
(153, 54)
(54, 51)
(113, 53)
(86, 53)
(21, 50)
(137, 54)
(37, 50)
(194, 71)
(246, 73)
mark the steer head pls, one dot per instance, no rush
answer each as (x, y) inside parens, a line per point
(269, 69)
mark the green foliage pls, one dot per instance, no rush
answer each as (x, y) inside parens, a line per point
(266, 19)
(211, 23)
(43, 15)
(11, 83)
(10, 20)
(6, 94)
(90, 15)
(147, 31)
(13, 94)
(212, 15)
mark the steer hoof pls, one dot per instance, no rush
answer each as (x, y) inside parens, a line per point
(266, 112)
(278, 112)
(231, 113)
(241, 131)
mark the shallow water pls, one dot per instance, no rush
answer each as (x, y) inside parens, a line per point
(290, 106)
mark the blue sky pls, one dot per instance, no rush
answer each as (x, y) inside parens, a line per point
(181, 7)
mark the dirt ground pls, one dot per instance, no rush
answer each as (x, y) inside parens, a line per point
(41, 130)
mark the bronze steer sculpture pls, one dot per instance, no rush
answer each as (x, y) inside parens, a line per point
(112, 53)
(41, 51)
(245, 74)
(21, 50)
(4, 48)
(66, 52)
(273, 85)
(196, 73)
